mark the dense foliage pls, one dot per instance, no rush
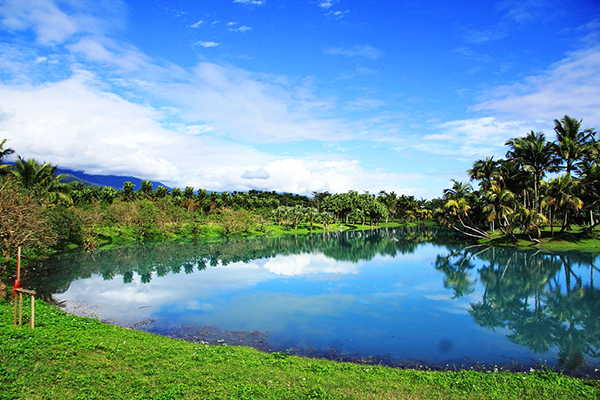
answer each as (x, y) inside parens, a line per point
(513, 194)
(49, 214)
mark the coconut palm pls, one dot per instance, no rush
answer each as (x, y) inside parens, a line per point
(561, 195)
(536, 155)
(500, 206)
(3, 153)
(459, 190)
(590, 180)
(572, 142)
(41, 180)
(530, 220)
(484, 171)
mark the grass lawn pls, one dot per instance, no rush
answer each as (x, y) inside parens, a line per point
(69, 357)
(576, 239)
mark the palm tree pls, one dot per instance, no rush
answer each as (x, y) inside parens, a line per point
(530, 220)
(500, 206)
(561, 195)
(572, 142)
(484, 171)
(458, 190)
(3, 153)
(534, 154)
(590, 180)
(41, 180)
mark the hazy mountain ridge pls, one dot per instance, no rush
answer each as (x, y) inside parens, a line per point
(102, 180)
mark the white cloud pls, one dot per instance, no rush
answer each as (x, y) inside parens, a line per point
(251, 2)
(366, 51)
(308, 175)
(52, 25)
(570, 86)
(197, 24)
(106, 51)
(207, 44)
(327, 3)
(266, 108)
(69, 124)
(470, 138)
(307, 264)
(75, 124)
(259, 173)
(476, 36)
(167, 123)
(242, 29)
(337, 14)
(522, 11)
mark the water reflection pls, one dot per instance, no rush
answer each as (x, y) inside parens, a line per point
(160, 259)
(540, 298)
(399, 295)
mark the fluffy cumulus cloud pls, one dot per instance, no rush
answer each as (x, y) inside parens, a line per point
(76, 124)
(73, 125)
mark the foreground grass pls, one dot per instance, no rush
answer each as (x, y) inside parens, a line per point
(68, 357)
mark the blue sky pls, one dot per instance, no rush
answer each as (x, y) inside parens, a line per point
(292, 95)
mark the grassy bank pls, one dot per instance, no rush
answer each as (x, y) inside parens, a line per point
(579, 238)
(71, 357)
(214, 230)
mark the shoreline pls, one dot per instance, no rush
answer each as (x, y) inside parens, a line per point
(70, 357)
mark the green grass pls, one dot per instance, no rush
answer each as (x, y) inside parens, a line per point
(69, 357)
(579, 238)
(114, 236)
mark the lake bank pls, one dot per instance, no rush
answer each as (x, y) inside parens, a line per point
(403, 297)
(579, 239)
(68, 356)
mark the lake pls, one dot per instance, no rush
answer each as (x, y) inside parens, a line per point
(411, 297)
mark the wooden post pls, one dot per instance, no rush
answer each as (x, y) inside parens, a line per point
(32, 318)
(20, 308)
(17, 283)
(19, 263)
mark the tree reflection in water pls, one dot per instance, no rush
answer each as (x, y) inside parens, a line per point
(543, 300)
(537, 296)
(56, 274)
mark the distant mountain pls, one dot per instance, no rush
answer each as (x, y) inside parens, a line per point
(102, 180)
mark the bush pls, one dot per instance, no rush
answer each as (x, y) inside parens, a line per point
(67, 226)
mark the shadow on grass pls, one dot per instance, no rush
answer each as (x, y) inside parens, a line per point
(579, 238)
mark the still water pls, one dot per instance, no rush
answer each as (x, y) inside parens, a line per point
(398, 296)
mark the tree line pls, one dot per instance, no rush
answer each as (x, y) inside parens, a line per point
(41, 212)
(539, 183)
